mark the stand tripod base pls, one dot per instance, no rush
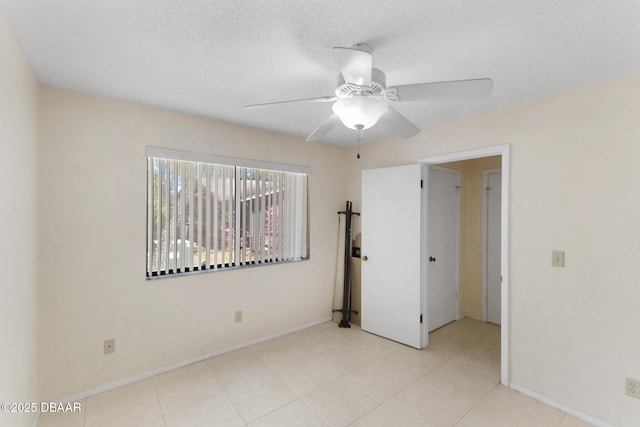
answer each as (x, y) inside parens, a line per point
(344, 323)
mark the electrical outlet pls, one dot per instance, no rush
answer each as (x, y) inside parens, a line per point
(109, 346)
(238, 316)
(633, 388)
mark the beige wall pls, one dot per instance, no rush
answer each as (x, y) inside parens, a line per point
(471, 195)
(18, 244)
(574, 176)
(92, 252)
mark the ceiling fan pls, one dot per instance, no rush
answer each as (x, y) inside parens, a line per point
(362, 98)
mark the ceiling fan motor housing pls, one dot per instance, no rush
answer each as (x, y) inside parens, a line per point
(377, 87)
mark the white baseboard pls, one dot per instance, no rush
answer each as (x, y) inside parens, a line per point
(154, 372)
(560, 406)
(473, 316)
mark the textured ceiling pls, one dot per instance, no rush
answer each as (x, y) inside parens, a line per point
(211, 58)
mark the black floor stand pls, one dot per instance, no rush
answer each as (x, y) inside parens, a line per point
(346, 296)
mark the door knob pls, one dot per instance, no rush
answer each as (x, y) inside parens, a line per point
(364, 258)
(432, 259)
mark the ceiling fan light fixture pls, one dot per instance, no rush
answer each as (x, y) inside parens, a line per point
(360, 112)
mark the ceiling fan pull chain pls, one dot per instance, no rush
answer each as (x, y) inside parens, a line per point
(360, 132)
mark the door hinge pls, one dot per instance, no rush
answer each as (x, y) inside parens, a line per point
(422, 183)
(420, 318)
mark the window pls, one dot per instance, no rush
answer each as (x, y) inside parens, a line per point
(207, 213)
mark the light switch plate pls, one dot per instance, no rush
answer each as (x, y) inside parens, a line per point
(557, 258)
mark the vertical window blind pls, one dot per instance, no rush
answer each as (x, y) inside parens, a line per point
(206, 216)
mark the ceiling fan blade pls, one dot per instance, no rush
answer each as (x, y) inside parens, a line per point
(457, 89)
(398, 124)
(355, 65)
(324, 128)
(269, 104)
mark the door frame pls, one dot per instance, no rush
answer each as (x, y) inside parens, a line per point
(497, 150)
(485, 237)
(457, 234)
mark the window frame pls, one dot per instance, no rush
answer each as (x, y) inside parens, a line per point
(236, 223)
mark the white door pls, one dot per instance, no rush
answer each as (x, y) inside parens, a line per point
(443, 222)
(391, 238)
(493, 220)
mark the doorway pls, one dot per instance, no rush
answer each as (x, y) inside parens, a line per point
(394, 245)
(503, 152)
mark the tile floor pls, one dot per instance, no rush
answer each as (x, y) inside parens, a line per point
(327, 376)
